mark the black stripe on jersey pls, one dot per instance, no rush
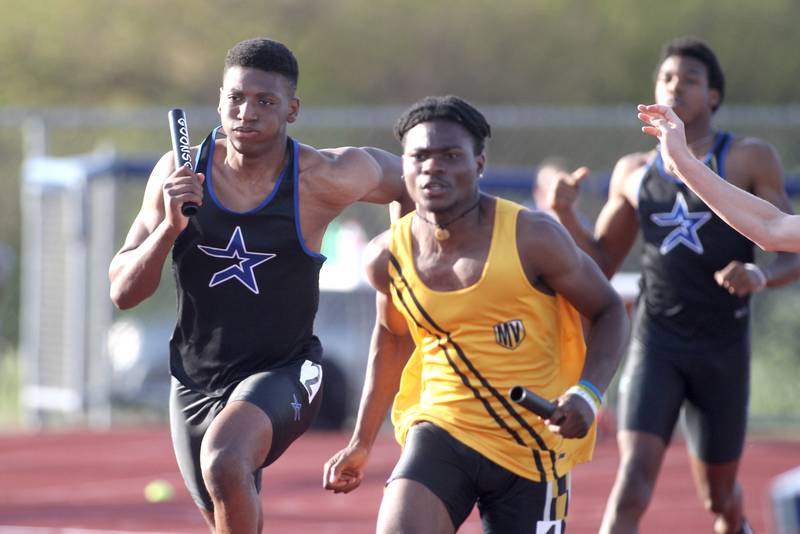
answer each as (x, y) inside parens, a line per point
(427, 317)
(559, 489)
(465, 380)
(499, 397)
(563, 490)
(561, 485)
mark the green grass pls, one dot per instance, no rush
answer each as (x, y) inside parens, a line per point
(9, 389)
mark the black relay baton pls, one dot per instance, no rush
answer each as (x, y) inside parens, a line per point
(531, 401)
(179, 131)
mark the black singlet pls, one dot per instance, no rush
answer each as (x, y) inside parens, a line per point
(685, 243)
(248, 287)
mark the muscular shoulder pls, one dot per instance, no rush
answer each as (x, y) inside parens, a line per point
(627, 175)
(752, 150)
(336, 163)
(536, 225)
(376, 261)
(338, 176)
(543, 243)
(629, 165)
(753, 162)
(752, 146)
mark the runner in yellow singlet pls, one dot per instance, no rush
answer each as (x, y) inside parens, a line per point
(484, 295)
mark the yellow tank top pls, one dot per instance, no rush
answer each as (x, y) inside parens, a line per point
(474, 344)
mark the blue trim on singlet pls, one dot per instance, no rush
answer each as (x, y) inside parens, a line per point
(296, 181)
(645, 171)
(719, 139)
(659, 165)
(213, 195)
(726, 139)
(200, 151)
(721, 143)
(211, 147)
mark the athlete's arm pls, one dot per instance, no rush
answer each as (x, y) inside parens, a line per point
(551, 259)
(390, 348)
(757, 219)
(135, 270)
(391, 168)
(766, 171)
(362, 174)
(759, 162)
(616, 226)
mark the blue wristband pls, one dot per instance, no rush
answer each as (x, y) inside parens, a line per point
(593, 389)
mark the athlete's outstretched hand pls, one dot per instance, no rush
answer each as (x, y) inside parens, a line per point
(344, 471)
(572, 418)
(662, 122)
(563, 192)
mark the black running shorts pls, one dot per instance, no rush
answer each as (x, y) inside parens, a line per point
(711, 382)
(290, 396)
(461, 477)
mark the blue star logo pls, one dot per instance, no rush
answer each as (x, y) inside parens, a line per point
(295, 404)
(687, 224)
(245, 260)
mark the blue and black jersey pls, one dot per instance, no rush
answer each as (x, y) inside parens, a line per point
(685, 243)
(248, 287)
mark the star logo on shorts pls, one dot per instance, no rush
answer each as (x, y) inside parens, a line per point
(687, 224)
(244, 262)
(295, 404)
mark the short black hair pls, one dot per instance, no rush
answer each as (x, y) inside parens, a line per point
(266, 55)
(447, 108)
(697, 49)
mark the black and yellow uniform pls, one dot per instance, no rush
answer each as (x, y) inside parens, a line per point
(473, 345)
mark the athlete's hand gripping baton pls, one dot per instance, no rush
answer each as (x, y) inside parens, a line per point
(179, 131)
(531, 401)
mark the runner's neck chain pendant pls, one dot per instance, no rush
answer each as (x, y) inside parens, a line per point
(441, 233)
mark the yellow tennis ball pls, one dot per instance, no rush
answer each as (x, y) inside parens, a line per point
(158, 491)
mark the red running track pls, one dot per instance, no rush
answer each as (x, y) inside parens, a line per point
(81, 482)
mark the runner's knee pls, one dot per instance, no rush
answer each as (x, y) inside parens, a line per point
(637, 483)
(634, 498)
(222, 471)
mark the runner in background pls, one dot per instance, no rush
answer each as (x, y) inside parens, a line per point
(690, 347)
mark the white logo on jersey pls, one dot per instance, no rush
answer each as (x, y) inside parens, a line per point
(311, 378)
(244, 261)
(686, 223)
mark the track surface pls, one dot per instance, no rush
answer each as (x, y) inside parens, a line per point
(80, 482)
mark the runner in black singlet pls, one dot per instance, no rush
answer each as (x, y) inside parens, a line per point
(758, 220)
(690, 345)
(245, 362)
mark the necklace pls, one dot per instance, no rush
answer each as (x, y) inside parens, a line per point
(441, 233)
